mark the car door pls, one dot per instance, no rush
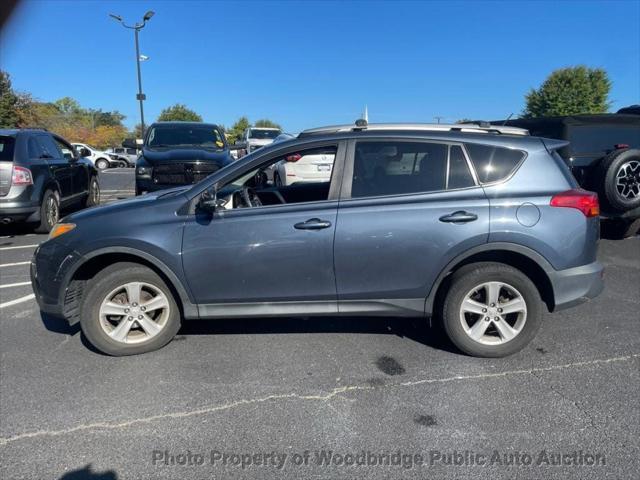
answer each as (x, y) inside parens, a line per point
(60, 168)
(407, 208)
(79, 171)
(273, 259)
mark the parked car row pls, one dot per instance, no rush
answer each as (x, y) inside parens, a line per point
(482, 228)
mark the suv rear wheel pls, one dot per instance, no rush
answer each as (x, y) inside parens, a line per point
(49, 211)
(491, 310)
(128, 309)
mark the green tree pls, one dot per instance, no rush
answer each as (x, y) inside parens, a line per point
(266, 123)
(8, 102)
(570, 91)
(179, 112)
(236, 130)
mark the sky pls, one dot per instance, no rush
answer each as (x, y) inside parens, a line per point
(307, 64)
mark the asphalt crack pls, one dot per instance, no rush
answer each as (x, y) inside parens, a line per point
(336, 392)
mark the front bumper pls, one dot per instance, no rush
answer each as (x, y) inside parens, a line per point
(50, 265)
(574, 286)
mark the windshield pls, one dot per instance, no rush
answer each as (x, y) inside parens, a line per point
(6, 148)
(263, 133)
(206, 136)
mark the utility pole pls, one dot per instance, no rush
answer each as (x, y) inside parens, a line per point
(141, 97)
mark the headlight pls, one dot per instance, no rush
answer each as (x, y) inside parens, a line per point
(113, 157)
(144, 172)
(60, 229)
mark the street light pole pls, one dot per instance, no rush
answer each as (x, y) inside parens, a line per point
(140, 95)
(136, 28)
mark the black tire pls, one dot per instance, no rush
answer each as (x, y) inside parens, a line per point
(620, 166)
(93, 197)
(102, 164)
(97, 290)
(49, 211)
(122, 164)
(466, 279)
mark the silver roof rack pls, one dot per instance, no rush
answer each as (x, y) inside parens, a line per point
(427, 127)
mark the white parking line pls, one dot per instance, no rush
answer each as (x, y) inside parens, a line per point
(26, 235)
(14, 264)
(19, 284)
(18, 300)
(19, 246)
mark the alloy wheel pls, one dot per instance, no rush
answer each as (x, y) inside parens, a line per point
(628, 180)
(52, 210)
(493, 313)
(94, 192)
(134, 312)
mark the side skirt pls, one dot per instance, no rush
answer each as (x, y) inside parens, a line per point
(396, 307)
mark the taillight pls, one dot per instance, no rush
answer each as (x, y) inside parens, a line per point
(21, 176)
(293, 158)
(583, 200)
(620, 146)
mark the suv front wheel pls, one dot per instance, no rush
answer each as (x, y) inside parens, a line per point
(491, 310)
(128, 310)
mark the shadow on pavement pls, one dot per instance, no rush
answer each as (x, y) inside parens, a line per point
(418, 330)
(85, 473)
(59, 324)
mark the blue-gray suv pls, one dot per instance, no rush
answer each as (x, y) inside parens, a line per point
(478, 226)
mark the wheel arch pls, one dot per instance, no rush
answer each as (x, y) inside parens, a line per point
(528, 261)
(94, 262)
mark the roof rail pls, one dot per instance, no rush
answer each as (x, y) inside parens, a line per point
(426, 127)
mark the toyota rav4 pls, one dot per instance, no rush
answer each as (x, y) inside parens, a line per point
(481, 228)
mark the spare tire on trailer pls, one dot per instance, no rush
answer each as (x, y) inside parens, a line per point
(618, 177)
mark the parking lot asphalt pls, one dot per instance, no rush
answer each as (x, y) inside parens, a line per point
(366, 387)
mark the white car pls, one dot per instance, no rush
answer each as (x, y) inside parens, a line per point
(296, 168)
(100, 159)
(129, 155)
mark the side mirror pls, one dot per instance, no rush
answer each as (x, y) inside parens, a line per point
(209, 201)
(84, 152)
(130, 143)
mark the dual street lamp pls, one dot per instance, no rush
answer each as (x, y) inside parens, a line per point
(136, 28)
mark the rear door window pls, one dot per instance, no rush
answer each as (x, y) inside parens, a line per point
(34, 148)
(7, 144)
(493, 164)
(49, 146)
(397, 168)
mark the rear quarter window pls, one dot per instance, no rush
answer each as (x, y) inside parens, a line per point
(7, 144)
(493, 164)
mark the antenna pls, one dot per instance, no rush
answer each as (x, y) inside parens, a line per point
(508, 118)
(365, 114)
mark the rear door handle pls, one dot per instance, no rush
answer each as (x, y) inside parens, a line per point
(459, 217)
(312, 224)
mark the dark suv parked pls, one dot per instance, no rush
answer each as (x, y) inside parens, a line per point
(179, 153)
(40, 174)
(603, 154)
(482, 228)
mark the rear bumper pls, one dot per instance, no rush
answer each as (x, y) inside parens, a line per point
(574, 286)
(17, 212)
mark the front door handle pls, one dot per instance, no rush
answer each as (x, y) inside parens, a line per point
(459, 217)
(312, 224)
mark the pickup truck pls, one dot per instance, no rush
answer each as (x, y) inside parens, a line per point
(254, 138)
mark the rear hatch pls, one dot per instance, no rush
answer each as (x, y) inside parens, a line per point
(7, 143)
